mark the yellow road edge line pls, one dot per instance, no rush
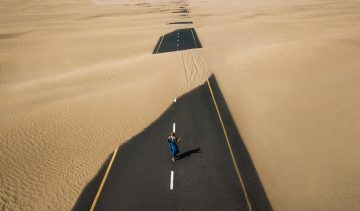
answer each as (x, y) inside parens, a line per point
(103, 180)
(193, 37)
(230, 149)
(160, 43)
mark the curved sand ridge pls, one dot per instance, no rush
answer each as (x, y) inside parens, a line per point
(289, 72)
(80, 81)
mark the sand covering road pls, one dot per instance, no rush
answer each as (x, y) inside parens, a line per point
(77, 78)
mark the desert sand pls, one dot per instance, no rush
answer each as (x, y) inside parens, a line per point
(78, 78)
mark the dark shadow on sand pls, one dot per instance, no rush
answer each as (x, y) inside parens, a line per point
(13, 35)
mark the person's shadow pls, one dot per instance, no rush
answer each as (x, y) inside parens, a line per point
(187, 153)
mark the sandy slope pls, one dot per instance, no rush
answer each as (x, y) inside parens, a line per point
(78, 78)
(290, 73)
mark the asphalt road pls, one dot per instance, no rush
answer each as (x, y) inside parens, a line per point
(204, 175)
(214, 170)
(178, 40)
(181, 22)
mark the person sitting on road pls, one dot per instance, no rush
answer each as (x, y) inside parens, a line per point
(172, 139)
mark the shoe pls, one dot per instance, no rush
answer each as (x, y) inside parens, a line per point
(173, 159)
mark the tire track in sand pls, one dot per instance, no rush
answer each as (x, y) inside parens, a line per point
(195, 68)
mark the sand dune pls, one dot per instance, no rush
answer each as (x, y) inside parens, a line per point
(289, 72)
(77, 78)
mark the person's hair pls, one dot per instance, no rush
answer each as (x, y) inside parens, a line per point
(172, 134)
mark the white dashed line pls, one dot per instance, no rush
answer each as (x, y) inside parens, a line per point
(174, 127)
(172, 180)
